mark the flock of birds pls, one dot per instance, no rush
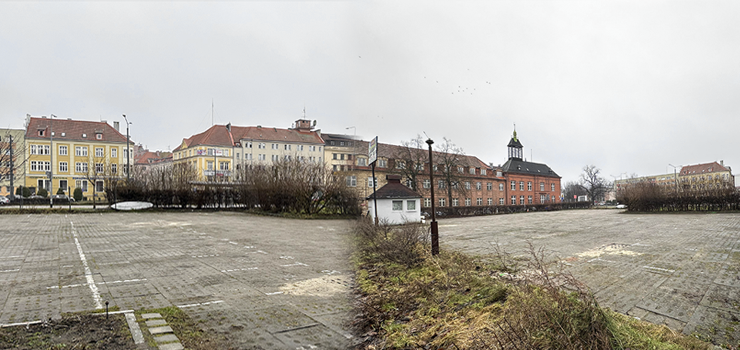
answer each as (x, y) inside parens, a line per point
(463, 90)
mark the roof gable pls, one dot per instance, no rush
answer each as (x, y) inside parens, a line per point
(72, 130)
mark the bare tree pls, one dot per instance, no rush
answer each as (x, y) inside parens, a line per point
(571, 189)
(410, 159)
(592, 182)
(449, 159)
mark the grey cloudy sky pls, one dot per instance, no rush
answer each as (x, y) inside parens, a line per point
(626, 86)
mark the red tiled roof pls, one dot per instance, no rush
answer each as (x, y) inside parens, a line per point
(705, 168)
(219, 135)
(150, 157)
(73, 130)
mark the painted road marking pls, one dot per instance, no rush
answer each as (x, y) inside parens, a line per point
(245, 269)
(88, 273)
(84, 284)
(201, 304)
(15, 270)
(296, 264)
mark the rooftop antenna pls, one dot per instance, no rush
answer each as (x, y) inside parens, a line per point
(304, 111)
(212, 123)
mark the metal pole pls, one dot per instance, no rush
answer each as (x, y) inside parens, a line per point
(375, 197)
(128, 151)
(12, 166)
(435, 228)
(51, 161)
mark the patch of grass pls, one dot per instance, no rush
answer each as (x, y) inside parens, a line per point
(455, 301)
(189, 331)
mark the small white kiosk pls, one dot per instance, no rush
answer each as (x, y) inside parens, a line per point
(396, 203)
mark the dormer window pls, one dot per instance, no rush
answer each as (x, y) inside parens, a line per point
(99, 136)
(84, 135)
(64, 134)
(41, 133)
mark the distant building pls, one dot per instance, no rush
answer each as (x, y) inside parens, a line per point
(85, 155)
(221, 149)
(528, 182)
(706, 176)
(12, 150)
(146, 160)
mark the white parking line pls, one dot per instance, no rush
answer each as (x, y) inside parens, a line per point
(88, 274)
(245, 269)
(201, 304)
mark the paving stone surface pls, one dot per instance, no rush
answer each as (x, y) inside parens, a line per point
(260, 280)
(155, 323)
(278, 283)
(152, 315)
(681, 270)
(167, 338)
(171, 346)
(160, 330)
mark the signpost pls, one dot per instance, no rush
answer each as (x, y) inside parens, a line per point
(372, 154)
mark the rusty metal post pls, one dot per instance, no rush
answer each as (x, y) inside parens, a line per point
(434, 227)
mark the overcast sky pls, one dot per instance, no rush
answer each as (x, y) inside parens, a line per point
(627, 86)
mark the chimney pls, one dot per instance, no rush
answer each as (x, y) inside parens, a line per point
(228, 127)
(117, 125)
(303, 124)
(393, 178)
(722, 162)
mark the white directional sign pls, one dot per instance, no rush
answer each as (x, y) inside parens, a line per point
(372, 152)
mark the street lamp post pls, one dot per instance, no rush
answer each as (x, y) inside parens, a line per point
(675, 175)
(51, 160)
(128, 152)
(434, 226)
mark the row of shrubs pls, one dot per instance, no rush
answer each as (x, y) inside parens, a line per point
(650, 197)
(286, 186)
(502, 209)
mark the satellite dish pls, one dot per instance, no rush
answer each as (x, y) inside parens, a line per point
(131, 205)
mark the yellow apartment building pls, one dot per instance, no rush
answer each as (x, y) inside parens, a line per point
(70, 154)
(221, 151)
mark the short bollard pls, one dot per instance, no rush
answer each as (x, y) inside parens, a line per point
(106, 310)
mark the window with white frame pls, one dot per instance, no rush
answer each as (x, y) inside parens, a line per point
(489, 186)
(361, 161)
(513, 185)
(542, 198)
(441, 202)
(467, 185)
(34, 165)
(460, 169)
(248, 144)
(209, 165)
(542, 186)
(400, 164)
(455, 202)
(34, 149)
(370, 181)
(411, 204)
(467, 202)
(529, 199)
(63, 167)
(529, 185)
(426, 183)
(275, 146)
(441, 184)
(521, 185)
(552, 187)
(99, 186)
(478, 186)
(261, 145)
(397, 205)
(63, 150)
(500, 201)
(81, 167)
(382, 163)
(427, 202)
(501, 187)
(223, 165)
(63, 185)
(483, 171)
(82, 184)
(114, 168)
(99, 152)
(98, 168)
(472, 171)
(81, 151)
(521, 199)
(248, 156)
(275, 158)
(261, 157)
(352, 181)
(513, 200)
(287, 157)
(312, 148)
(300, 147)
(479, 201)
(287, 147)
(490, 202)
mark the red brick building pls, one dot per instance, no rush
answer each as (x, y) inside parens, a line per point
(529, 182)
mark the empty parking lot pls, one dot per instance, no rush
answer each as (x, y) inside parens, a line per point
(282, 283)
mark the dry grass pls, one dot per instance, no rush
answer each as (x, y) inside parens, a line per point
(454, 301)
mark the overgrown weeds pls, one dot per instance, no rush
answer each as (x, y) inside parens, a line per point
(408, 299)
